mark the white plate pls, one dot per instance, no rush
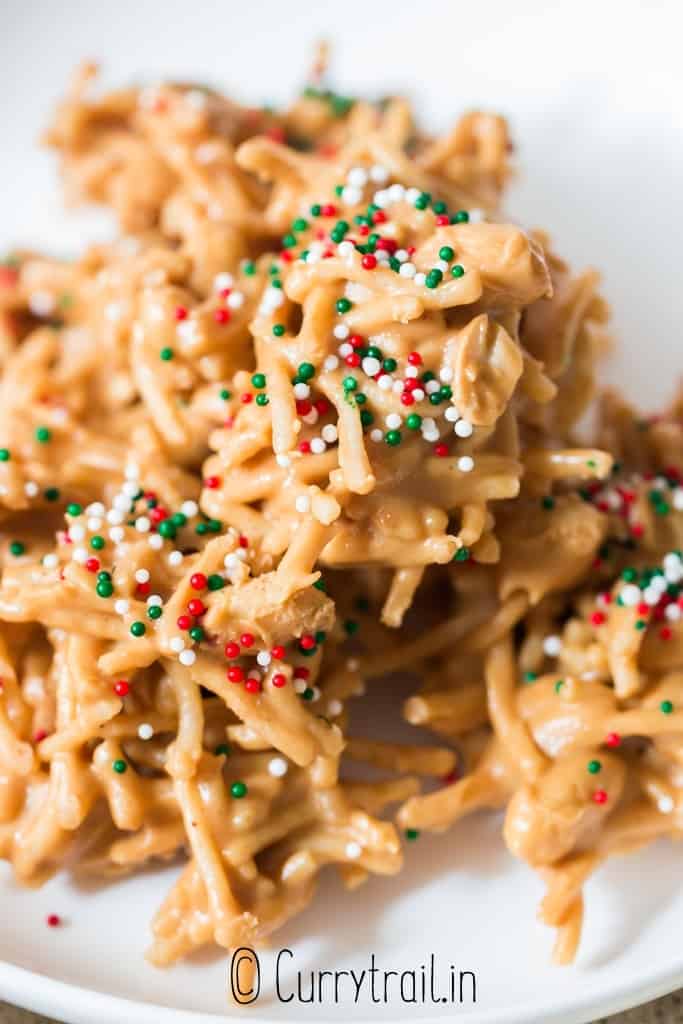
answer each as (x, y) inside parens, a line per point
(594, 94)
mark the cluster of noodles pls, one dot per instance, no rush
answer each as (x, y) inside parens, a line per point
(318, 391)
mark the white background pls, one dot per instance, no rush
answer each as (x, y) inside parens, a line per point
(594, 96)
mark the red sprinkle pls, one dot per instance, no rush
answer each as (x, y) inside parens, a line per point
(196, 607)
(301, 672)
(600, 796)
(40, 736)
(598, 618)
(304, 447)
(278, 652)
(322, 406)
(246, 398)
(307, 642)
(143, 589)
(328, 210)
(92, 564)
(414, 358)
(279, 680)
(197, 580)
(407, 398)
(53, 920)
(666, 633)
(442, 220)
(221, 316)
(122, 688)
(158, 513)
(379, 217)
(353, 359)
(247, 640)
(369, 261)
(303, 407)
(441, 450)
(184, 621)
(181, 313)
(235, 674)
(243, 541)
(232, 650)
(643, 609)
(212, 482)
(613, 739)
(253, 685)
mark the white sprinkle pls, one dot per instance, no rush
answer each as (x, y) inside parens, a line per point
(189, 509)
(283, 461)
(51, 561)
(318, 446)
(385, 382)
(393, 421)
(401, 255)
(121, 606)
(117, 533)
(31, 488)
(463, 428)
(301, 390)
(678, 499)
(341, 332)
(353, 850)
(330, 363)
(665, 804)
(445, 374)
(397, 387)
(477, 215)
(345, 349)
(121, 503)
(381, 198)
(412, 371)
(264, 658)
(145, 731)
(371, 366)
(630, 595)
(329, 433)
(154, 601)
(41, 303)
(94, 523)
(396, 192)
(334, 708)
(176, 644)
(345, 249)
(130, 488)
(222, 281)
(419, 278)
(418, 394)
(132, 471)
(142, 575)
(277, 766)
(651, 596)
(412, 194)
(379, 174)
(142, 524)
(175, 558)
(407, 270)
(466, 464)
(302, 503)
(552, 645)
(300, 685)
(673, 612)
(441, 265)
(115, 516)
(236, 299)
(76, 532)
(376, 435)
(95, 509)
(357, 176)
(351, 195)
(155, 541)
(187, 658)
(432, 386)
(431, 434)
(80, 555)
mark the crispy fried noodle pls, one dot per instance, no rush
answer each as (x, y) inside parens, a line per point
(310, 419)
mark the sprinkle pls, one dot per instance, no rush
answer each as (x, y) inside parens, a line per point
(552, 645)
(16, 548)
(277, 766)
(600, 796)
(238, 790)
(53, 920)
(138, 628)
(353, 850)
(612, 739)
(187, 657)
(666, 707)
(175, 558)
(411, 834)
(594, 767)
(43, 435)
(176, 643)
(463, 428)
(145, 731)
(466, 464)
(119, 766)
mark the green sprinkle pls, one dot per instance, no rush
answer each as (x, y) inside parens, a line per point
(446, 392)
(299, 224)
(558, 685)
(166, 354)
(414, 421)
(350, 627)
(666, 707)
(320, 585)
(201, 528)
(167, 528)
(119, 766)
(422, 201)
(548, 502)
(435, 398)
(412, 834)
(457, 271)
(262, 399)
(278, 330)
(43, 435)
(215, 582)
(461, 555)
(258, 380)
(197, 634)
(343, 305)
(222, 749)
(238, 790)
(179, 519)
(361, 399)
(389, 365)
(446, 253)
(51, 493)
(104, 575)
(138, 628)
(366, 418)
(104, 588)
(308, 693)
(97, 542)
(591, 463)
(641, 624)
(594, 767)
(393, 438)
(461, 217)
(214, 525)
(305, 371)
(629, 575)
(249, 268)
(16, 548)
(316, 210)
(349, 383)
(433, 278)
(155, 611)
(225, 394)
(439, 206)
(338, 189)
(530, 677)
(288, 241)
(4, 455)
